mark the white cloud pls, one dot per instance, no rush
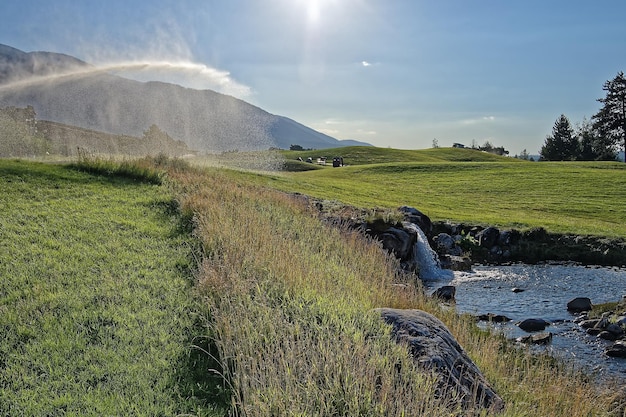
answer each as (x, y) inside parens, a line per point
(477, 120)
(365, 63)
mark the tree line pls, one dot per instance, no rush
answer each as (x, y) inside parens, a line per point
(597, 139)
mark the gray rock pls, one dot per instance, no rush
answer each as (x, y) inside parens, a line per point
(594, 331)
(543, 338)
(434, 349)
(413, 215)
(444, 242)
(445, 293)
(460, 263)
(488, 237)
(397, 241)
(617, 350)
(579, 304)
(616, 329)
(533, 325)
(606, 335)
(494, 318)
(588, 324)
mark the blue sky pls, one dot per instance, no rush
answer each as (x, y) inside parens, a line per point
(394, 73)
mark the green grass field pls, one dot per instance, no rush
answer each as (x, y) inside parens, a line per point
(99, 311)
(463, 185)
(97, 307)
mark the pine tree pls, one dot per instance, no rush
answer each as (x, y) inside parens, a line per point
(610, 121)
(562, 145)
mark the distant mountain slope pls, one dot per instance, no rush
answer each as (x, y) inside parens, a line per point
(205, 120)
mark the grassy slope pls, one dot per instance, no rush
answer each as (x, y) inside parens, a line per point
(293, 300)
(574, 197)
(96, 305)
(365, 155)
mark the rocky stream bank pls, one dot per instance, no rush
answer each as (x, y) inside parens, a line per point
(457, 246)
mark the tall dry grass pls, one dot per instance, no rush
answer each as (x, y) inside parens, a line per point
(291, 304)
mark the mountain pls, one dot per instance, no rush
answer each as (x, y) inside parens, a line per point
(67, 90)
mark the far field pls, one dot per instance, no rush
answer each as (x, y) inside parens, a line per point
(463, 185)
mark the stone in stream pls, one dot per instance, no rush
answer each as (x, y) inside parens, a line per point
(533, 325)
(606, 335)
(536, 339)
(433, 348)
(445, 293)
(579, 304)
(617, 350)
(494, 318)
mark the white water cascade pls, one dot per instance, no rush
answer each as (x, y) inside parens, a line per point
(425, 258)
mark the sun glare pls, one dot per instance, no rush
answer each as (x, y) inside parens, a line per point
(313, 10)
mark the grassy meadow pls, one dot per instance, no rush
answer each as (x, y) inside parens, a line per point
(464, 185)
(104, 323)
(97, 304)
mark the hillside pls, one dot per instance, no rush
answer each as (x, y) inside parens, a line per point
(66, 90)
(25, 136)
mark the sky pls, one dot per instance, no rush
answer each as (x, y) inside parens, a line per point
(403, 74)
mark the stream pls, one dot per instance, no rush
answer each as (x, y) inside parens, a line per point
(546, 292)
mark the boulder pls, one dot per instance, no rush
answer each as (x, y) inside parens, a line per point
(398, 241)
(543, 338)
(445, 293)
(617, 350)
(413, 215)
(435, 350)
(588, 324)
(444, 242)
(606, 335)
(594, 331)
(616, 329)
(508, 237)
(533, 325)
(488, 237)
(458, 263)
(579, 304)
(494, 318)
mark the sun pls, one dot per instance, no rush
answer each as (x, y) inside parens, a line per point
(313, 11)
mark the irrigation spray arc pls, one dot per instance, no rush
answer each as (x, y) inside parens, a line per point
(186, 73)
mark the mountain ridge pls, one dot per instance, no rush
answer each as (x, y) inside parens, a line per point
(64, 89)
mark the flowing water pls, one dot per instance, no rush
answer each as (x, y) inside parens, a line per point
(546, 291)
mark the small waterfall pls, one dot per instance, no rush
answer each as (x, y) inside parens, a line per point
(425, 258)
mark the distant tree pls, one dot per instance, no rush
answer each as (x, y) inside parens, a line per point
(156, 136)
(524, 155)
(488, 147)
(562, 145)
(610, 121)
(296, 148)
(591, 145)
(435, 143)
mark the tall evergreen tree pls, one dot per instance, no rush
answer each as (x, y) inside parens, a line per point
(562, 145)
(610, 121)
